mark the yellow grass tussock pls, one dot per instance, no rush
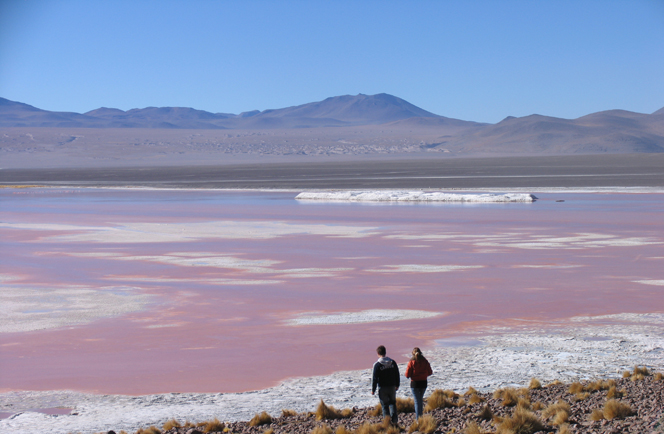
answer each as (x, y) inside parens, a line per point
(471, 391)
(170, 424)
(214, 425)
(581, 396)
(323, 429)
(461, 402)
(405, 405)
(613, 393)
(385, 427)
(288, 413)
(563, 429)
(559, 407)
(475, 398)
(509, 395)
(641, 371)
(520, 422)
(260, 419)
(149, 430)
(472, 428)
(534, 384)
(347, 412)
(614, 409)
(554, 383)
(326, 412)
(269, 431)
(523, 403)
(626, 374)
(485, 413)
(658, 376)
(376, 411)
(538, 406)
(426, 424)
(438, 399)
(596, 415)
(341, 429)
(575, 387)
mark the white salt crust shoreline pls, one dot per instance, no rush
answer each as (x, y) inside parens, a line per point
(413, 196)
(577, 349)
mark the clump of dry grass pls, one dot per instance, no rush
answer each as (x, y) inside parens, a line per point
(559, 411)
(581, 396)
(475, 398)
(596, 415)
(170, 424)
(534, 384)
(471, 391)
(269, 431)
(563, 429)
(657, 376)
(214, 425)
(323, 429)
(327, 412)
(554, 383)
(472, 428)
(461, 402)
(341, 429)
(347, 412)
(614, 409)
(485, 413)
(288, 413)
(149, 430)
(626, 374)
(613, 393)
(425, 424)
(538, 406)
(376, 411)
(509, 395)
(405, 405)
(523, 403)
(520, 422)
(639, 373)
(438, 399)
(385, 427)
(575, 387)
(260, 419)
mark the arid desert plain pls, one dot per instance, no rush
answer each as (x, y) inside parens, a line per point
(125, 307)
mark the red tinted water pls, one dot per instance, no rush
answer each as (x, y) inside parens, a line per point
(199, 336)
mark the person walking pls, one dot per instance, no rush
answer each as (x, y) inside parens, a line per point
(418, 370)
(385, 377)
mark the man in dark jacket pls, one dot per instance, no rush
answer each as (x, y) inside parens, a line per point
(386, 377)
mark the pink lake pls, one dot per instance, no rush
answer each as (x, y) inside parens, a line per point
(137, 291)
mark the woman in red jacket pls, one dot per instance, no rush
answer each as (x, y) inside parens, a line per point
(418, 370)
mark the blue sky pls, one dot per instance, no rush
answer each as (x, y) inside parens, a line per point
(473, 60)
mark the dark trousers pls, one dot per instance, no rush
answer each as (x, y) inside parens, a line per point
(388, 400)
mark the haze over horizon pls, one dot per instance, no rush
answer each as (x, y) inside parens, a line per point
(479, 61)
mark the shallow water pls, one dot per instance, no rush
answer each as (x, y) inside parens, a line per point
(139, 291)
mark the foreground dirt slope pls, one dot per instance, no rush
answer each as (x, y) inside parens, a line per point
(491, 413)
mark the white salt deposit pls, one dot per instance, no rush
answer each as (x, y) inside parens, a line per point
(581, 349)
(365, 316)
(24, 309)
(414, 196)
(422, 268)
(651, 282)
(139, 232)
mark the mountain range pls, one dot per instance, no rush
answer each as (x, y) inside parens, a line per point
(336, 111)
(612, 131)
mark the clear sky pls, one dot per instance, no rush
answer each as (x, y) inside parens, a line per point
(472, 60)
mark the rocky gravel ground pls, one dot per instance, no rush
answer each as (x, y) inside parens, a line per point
(643, 394)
